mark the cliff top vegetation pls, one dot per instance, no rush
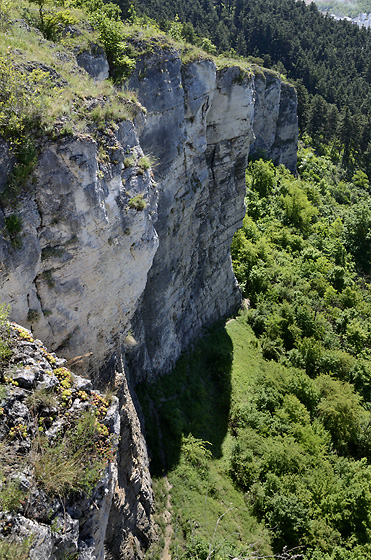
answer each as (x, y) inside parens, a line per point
(50, 55)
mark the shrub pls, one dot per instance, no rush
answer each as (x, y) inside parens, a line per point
(137, 202)
(19, 103)
(111, 33)
(144, 163)
(5, 18)
(196, 452)
(55, 23)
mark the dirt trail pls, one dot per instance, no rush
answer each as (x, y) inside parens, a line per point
(168, 511)
(167, 518)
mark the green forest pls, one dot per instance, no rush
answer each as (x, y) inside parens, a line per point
(271, 413)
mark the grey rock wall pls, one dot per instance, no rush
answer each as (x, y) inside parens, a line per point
(201, 126)
(90, 266)
(85, 253)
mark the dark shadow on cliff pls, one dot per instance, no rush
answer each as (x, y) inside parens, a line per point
(193, 399)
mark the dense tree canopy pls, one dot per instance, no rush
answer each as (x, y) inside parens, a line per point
(329, 61)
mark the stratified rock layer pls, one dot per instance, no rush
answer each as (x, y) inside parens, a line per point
(86, 249)
(201, 126)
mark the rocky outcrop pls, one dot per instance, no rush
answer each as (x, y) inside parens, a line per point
(130, 529)
(94, 61)
(113, 241)
(44, 504)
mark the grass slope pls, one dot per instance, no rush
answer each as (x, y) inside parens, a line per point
(187, 416)
(251, 466)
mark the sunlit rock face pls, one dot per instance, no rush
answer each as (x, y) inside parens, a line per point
(84, 252)
(89, 265)
(201, 125)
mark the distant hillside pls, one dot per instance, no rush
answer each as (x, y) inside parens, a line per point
(350, 8)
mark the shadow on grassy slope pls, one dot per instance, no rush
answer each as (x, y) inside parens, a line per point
(193, 399)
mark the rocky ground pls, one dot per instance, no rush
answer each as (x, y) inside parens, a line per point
(58, 439)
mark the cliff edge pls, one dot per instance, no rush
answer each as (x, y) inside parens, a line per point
(115, 251)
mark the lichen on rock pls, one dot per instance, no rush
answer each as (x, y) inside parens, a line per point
(58, 441)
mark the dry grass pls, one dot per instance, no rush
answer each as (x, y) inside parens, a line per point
(54, 468)
(14, 549)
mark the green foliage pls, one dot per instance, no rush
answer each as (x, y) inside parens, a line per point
(5, 16)
(54, 23)
(26, 154)
(13, 224)
(144, 163)
(137, 202)
(295, 447)
(111, 34)
(175, 29)
(311, 310)
(14, 550)
(295, 258)
(196, 452)
(297, 208)
(20, 106)
(11, 495)
(357, 233)
(208, 46)
(340, 411)
(5, 350)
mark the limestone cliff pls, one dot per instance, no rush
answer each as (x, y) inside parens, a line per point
(201, 125)
(111, 247)
(86, 251)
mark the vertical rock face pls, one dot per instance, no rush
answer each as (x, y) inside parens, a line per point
(201, 126)
(275, 120)
(87, 247)
(85, 250)
(130, 528)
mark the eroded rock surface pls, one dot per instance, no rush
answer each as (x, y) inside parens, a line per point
(201, 125)
(40, 401)
(85, 252)
(80, 266)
